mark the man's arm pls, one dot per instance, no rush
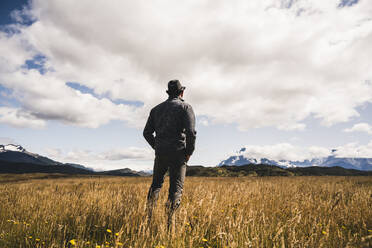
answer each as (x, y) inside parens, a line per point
(148, 131)
(189, 124)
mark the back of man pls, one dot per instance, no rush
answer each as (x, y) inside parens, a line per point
(173, 122)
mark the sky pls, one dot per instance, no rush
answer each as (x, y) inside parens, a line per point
(287, 79)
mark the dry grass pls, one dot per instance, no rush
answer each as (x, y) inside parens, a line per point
(215, 212)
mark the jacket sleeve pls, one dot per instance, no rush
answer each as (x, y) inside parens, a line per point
(189, 124)
(149, 130)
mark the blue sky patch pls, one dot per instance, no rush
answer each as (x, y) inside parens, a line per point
(6, 8)
(82, 88)
(37, 63)
(347, 3)
(287, 4)
(6, 97)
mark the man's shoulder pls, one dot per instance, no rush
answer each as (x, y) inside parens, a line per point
(186, 105)
(176, 103)
(159, 105)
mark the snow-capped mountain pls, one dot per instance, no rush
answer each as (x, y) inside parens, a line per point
(348, 163)
(11, 147)
(17, 154)
(16, 159)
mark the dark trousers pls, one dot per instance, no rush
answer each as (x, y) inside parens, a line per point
(176, 164)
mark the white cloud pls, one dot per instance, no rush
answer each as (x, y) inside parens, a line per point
(284, 151)
(360, 127)
(354, 150)
(287, 151)
(19, 118)
(45, 97)
(254, 63)
(7, 140)
(203, 121)
(128, 153)
(53, 152)
(133, 157)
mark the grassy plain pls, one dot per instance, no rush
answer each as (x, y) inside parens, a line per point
(215, 212)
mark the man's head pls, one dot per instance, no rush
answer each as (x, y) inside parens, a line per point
(175, 88)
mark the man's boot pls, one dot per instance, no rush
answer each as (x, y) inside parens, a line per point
(171, 208)
(152, 199)
(170, 216)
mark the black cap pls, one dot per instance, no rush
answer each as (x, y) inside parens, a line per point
(175, 87)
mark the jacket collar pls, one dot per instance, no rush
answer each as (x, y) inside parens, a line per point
(175, 98)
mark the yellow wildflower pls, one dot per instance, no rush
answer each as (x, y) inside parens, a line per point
(116, 234)
(119, 243)
(88, 242)
(72, 242)
(204, 240)
(343, 227)
(109, 231)
(98, 246)
(30, 237)
(324, 232)
(37, 239)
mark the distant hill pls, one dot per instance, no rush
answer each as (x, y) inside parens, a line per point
(125, 172)
(20, 168)
(271, 170)
(17, 154)
(14, 159)
(17, 160)
(241, 158)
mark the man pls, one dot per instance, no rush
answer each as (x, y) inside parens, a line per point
(173, 122)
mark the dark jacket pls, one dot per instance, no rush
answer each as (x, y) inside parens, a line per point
(173, 122)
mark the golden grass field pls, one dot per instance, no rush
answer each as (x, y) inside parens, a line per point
(215, 212)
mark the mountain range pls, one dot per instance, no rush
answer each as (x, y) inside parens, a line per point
(240, 158)
(260, 170)
(16, 159)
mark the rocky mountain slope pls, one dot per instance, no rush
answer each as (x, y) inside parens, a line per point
(348, 163)
(271, 170)
(16, 159)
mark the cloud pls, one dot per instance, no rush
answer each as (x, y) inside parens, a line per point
(283, 151)
(354, 149)
(104, 160)
(115, 154)
(19, 118)
(360, 127)
(45, 97)
(129, 153)
(7, 140)
(53, 152)
(252, 63)
(287, 151)
(203, 121)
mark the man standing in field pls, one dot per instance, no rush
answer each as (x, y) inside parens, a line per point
(173, 122)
